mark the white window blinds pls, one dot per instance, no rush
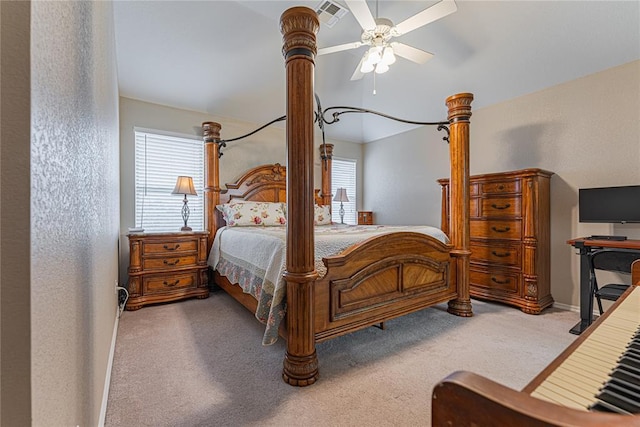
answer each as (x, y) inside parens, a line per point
(343, 175)
(159, 160)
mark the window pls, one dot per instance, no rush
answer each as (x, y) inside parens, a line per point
(343, 175)
(159, 160)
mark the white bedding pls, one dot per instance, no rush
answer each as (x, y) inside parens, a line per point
(254, 257)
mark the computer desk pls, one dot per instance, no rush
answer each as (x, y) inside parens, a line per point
(585, 246)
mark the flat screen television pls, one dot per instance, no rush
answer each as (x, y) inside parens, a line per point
(609, 204)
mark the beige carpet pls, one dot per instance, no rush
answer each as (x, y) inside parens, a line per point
(201, 363)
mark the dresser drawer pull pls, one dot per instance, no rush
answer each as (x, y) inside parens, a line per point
(507, 206)
(502, 255)
(500, 282)
(501, 230)
(173, 248)
(170, 263)
(172, 284)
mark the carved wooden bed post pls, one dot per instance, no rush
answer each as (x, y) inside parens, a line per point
(299, 26)
(211, 136)
(459, 113)
(326, 154)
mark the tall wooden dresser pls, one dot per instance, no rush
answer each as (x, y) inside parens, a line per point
(510, 237)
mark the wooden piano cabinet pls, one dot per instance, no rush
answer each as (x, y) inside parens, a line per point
(510, 237)
(488, 403)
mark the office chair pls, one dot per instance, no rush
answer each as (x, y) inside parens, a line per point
(617, 260)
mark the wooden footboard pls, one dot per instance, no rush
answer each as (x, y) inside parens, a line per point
(381, 278)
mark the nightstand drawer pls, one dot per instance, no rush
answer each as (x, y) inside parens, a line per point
(496, 229)
(500, 207)
(168, 247)
(495, 279)
(492, 253)
(170, 282)
(169, 262)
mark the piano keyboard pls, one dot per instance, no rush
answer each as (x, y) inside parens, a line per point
(584, 379)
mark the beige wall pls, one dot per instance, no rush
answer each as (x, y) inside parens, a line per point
(74, 209)
(266, 146)
(15, 284)
(587, 131)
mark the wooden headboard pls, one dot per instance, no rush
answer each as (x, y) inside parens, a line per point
(266, 183)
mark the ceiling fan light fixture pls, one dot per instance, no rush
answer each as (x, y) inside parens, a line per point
(367, 67)
(373, 55)
(382, 68)
(388, 57)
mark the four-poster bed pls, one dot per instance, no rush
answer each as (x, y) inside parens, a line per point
(381, 278)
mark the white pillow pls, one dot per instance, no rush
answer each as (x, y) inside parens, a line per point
(322, 215)
(245, 213)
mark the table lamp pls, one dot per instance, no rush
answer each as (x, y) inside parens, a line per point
(184, 185)
(341, 196)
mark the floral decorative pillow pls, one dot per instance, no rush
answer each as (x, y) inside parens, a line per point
(244, 213)
(322, 215)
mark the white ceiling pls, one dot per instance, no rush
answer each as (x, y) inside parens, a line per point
(224, 57)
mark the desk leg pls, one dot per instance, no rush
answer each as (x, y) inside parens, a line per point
(586, 301)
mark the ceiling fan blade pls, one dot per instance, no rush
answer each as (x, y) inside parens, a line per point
(357, 74)
(430, 14)
(411, 53)
(362, 13)
(339, 48)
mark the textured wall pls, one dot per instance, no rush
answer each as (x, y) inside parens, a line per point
(587, 131)
(75, 208)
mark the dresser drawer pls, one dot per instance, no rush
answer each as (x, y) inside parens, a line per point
(500, 207)
(496, 253)
(169, 262)
(496, 229)
(169, 282)
(501, 187)
(169, 247)
(495, 279)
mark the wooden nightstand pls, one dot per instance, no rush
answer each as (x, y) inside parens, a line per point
(166, 267)
(365, 218)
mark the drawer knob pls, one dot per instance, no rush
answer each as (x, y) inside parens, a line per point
(171, 263)
(172, 284)
(500, 282)
(500, 187)
(172, 248)
(500, 255)
(507, 206)
(501, 230)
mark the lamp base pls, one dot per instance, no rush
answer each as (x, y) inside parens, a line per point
(185, 228)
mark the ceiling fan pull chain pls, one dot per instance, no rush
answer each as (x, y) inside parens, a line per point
(374, 83)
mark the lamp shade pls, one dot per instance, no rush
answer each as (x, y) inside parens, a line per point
(341, 195)
(184, 185)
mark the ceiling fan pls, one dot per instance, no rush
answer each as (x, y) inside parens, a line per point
(378, 32)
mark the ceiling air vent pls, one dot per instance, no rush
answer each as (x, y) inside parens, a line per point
(329, 12)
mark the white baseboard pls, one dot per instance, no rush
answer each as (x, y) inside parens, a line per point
(566, 307)
(107, 380)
